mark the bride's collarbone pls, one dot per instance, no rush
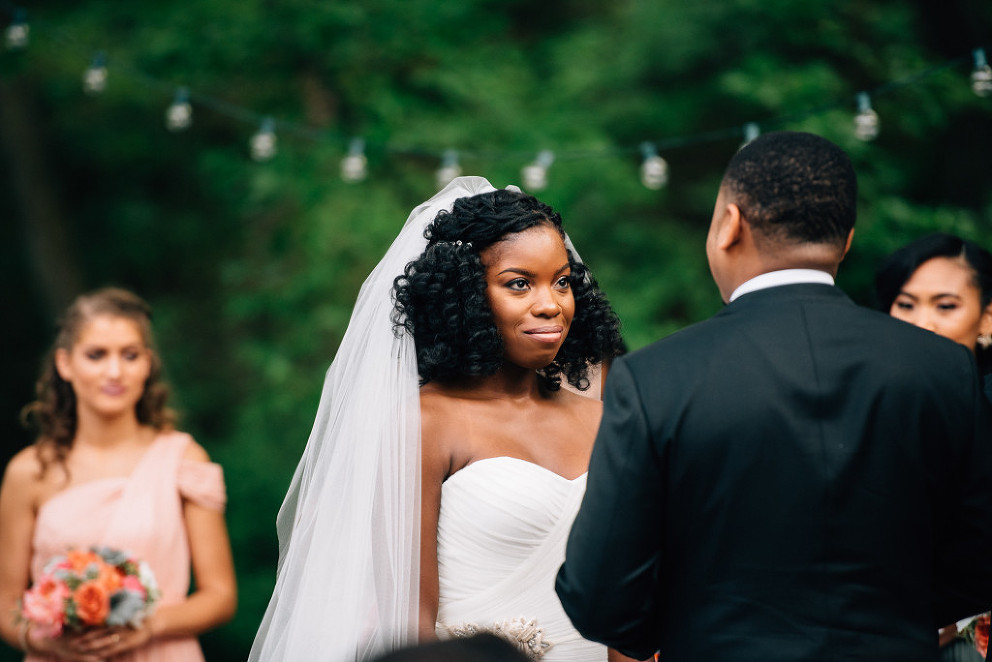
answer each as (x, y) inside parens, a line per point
(553, 447)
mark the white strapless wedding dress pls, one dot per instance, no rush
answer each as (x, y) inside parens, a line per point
(501, 539)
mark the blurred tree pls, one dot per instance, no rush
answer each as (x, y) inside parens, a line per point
(253, 267)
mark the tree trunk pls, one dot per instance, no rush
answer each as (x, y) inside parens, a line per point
(50, 253)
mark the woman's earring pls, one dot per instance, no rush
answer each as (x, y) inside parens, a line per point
(985, 340)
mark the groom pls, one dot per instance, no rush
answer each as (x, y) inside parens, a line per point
(796, 478)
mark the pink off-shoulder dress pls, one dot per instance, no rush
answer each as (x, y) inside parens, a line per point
(143, 514)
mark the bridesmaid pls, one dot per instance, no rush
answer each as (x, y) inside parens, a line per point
(943, 283)
(108, 469)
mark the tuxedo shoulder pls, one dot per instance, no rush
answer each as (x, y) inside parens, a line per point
(825, 322)
(684, 343)
(903, 334)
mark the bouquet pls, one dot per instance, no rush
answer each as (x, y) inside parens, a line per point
(101, 587)
(977, 632)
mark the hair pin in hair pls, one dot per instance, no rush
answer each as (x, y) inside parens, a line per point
(457, 242)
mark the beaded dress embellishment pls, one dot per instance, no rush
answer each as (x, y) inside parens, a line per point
(524, 634)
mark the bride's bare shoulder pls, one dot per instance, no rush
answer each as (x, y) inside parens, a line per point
(580, 405)
(439, 406)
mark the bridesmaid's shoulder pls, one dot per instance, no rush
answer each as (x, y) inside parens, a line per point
(25, 468)
(194, 451)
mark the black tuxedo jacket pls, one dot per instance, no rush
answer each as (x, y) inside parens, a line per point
(797, 478)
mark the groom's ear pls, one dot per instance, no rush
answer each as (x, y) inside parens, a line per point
(847, 246)
(731, 227)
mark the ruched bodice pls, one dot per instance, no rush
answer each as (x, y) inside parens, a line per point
(501, 538)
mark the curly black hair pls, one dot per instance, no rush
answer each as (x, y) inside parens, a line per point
(440, 299)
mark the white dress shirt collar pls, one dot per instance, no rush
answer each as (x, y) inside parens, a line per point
(783, 277)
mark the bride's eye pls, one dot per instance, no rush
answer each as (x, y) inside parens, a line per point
(518, 284)
(564, 283)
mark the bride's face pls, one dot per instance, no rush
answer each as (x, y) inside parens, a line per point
(527, 285)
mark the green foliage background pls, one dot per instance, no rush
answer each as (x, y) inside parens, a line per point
(252, 268)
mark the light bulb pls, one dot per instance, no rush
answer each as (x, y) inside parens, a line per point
(18, 32)
(179, 116)
(95, 77)
(354, 166)
(751, 131)
(535, 175)
(654, 169)
(981, 76)
(866, 121)
(263, 143)
(449, 169)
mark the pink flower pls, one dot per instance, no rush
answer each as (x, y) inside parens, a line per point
(133, 583)
(44, 604)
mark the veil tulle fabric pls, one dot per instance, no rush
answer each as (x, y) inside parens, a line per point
(347, 584)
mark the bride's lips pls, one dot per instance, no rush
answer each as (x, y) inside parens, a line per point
(548, 334)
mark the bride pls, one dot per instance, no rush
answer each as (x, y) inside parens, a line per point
(446, 462)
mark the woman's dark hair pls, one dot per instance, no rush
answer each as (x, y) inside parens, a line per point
(441, 296)
(900, 266)
(54, 411)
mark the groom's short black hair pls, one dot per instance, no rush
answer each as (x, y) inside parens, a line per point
(794, 187)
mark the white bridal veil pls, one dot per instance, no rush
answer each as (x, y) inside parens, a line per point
(347, 583)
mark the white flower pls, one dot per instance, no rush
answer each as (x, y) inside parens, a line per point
(147, 578)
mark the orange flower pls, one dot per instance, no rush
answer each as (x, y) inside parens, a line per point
(110, 577)
(92, 602)
(78, 559)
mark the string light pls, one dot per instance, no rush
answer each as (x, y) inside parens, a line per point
(179, 115)
(654, 169)
(866, 121)
(981, 76)
(449, 169)
(751, 131)
(95, 77)
(263, 143)
(354, 166)
(535, 175)
(18, 32)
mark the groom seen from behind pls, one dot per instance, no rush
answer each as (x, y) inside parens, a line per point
(797, 478)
